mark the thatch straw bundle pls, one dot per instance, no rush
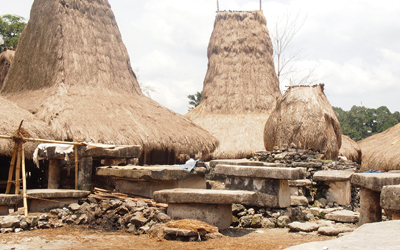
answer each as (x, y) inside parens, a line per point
(304, 118)
(381, 151)
(240, 88)
(73, 71)
(10, 117)
(6, 59)
(350, 149)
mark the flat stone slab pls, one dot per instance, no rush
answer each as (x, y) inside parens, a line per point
(390, 199)
(375, 181)
(211, 196)
(333, 175)
(303, 227)
(335, 230)
(9, 199)
(260, 172)
(243, 162)
(298, 201)
(144, 173)
(56, 193)
(300, 183)
(377, 236)
(345, 216)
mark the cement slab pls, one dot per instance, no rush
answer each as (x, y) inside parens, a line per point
(332, 175)
(375, 181)
(56, 193)
(243, 162)
(9, 199)
(169, 173)
(300, 183)
(260, 172)
(377, 236)
(213, 196)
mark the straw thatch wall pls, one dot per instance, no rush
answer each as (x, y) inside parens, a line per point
(73, 72)
(240, 88)
(6, 59)
(350, 149)
(381, 151)
(10, 117)
(305, 119)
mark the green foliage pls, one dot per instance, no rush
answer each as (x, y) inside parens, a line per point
(11, 27)
(360, 122)
(194, 100)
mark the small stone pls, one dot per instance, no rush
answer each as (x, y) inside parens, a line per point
(7, 230)
(42, 224)
(138, 219)
(303, 227)
(18, 230)
(122, 210)
(242, 213)
(9, 222)
(267, 223)
(251, 211)
(161, 217)
(283, 221)
(32, 220)
(74, 207)
(141, 203)
(256, 221)
(83, 219)
(344, 216)
(334, 230)
(43, 217)
(212, 236)
(298, 201)
(245, 221)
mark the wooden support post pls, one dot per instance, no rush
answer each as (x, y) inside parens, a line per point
(25, 200)
(18, 170)
(11, 170)
(54, 174)
(76, 166)
(85, 173)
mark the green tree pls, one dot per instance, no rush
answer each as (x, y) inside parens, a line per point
(11, 27)
(194, 100)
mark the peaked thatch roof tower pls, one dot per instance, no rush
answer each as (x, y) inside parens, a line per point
(381, 151)
(350, 149)
(73, 71)
(240, 88)
(305, 119)
(10, 117)
(6, 59)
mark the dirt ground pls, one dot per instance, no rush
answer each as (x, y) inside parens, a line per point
(82, 238)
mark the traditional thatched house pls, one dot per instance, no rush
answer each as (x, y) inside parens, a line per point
(6, 59)
(381, 151)
(73, 71)
(350, 149)
(304, 118)
(240, 88)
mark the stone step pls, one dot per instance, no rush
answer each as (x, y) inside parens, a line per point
(333, 175)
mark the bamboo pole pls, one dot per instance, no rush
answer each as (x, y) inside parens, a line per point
(11, 170)
(18, 170)
(24, 181)
(47, 141)
(76, 166)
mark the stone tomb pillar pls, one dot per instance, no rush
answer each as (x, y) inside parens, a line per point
(85, 173)
(370, 210)
(54, 174)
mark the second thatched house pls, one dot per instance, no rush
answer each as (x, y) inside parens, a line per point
(381, 151)
(6, 59)
(240, 88)
(350, 149)
(72, 70)
(304, 119)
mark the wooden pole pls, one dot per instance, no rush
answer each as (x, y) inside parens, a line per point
(24, 181)
(18, 170)
(47, 141)
(11, 170)
(76, 166)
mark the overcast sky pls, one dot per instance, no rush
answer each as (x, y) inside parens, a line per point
(353, 46)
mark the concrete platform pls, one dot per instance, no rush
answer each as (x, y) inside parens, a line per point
(7, 200)
(41, 200)
(377, 236)
(260, 172)
(390, 200)
(339, 185)
(375, 181)
(208, 205)
(144, 181)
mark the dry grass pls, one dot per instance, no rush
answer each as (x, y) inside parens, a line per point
(350, 149)
(305, 118)
(240, 87)
(72, 70)
(381, 151)
(6, 59)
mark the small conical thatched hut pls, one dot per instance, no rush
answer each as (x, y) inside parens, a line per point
(350, 149)
(10, 117)
(73, 71)
(304, 118)
(381, 151)
(240, 87)
(6, 59)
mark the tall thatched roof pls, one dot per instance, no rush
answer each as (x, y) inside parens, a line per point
(305, 118)
(240, 87)
(10, 117)
(73, 71)
(350, 149)
(6, 59)
(381, 151)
